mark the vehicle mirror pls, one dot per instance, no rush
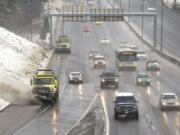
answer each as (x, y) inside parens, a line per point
(31, 82)
(100, 76)
(118, 76)
(114, 101)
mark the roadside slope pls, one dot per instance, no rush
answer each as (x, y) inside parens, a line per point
(19, 58)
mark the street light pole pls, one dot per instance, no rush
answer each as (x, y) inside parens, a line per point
(142, 29)
(162, 23)
(129, 10)
(120, 3)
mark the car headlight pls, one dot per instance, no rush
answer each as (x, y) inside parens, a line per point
(116, 80)
(163, 103)
(177, 103)
(103, 80)
(96, 62)
(148, 80)
(139, 80)
(104, 62)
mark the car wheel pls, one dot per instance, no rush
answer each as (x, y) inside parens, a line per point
(137, 83)
(115, 116)
(162, 109)
(137, 116)
(102, 85)
(116, 85)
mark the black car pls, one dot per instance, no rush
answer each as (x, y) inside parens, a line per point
(109, 78)
(125, 105)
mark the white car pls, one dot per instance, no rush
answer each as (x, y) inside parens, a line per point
(134, 47)
(99, 61)
(169, 101)
(141, 54)
(105, 41)
(99, 23)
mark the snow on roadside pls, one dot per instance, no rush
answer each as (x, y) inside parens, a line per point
(19, 58)
(3, 104)
(169, 3)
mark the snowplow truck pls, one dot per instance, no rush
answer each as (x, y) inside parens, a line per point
(45, 86)
(63, 45)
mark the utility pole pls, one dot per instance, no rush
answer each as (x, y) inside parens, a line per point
(129, 10)
(120, 3)
(162, 23)
(31, 27)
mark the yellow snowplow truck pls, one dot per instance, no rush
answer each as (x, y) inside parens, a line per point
(45, 85)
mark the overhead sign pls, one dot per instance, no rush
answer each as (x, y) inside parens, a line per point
(107, 15)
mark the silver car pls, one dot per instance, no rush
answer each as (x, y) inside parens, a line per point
(99, 61)
(75, 77)
(169, 101)
(153, 65)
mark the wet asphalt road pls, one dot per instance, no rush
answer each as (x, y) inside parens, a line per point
(76, 98)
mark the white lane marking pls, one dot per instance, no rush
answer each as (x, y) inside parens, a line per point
(63, 89)
(106, 114)
(84, 114)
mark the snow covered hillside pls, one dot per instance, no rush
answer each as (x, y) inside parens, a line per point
(19, 58)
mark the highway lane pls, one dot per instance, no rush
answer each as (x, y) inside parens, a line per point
(152, 120)
(166, 81)
(76, 98)
(171, 33)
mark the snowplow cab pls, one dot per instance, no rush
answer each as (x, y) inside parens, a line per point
(45, 85)
(63, 45)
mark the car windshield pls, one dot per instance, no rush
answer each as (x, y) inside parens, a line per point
(64, 40)
(75, 74)
(42, 81)
(153, 62)
(127, 57)
(93, 53)
(168, 97)
(109, 74)
(141, 52)
(129, 99)
(99, 58)
(143, 75)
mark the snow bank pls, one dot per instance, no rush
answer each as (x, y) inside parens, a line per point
(3, 104)
(172, 3)
(19, 58)
(169, 3)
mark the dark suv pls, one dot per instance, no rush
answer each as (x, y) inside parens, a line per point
(109, 78)
(125, 105)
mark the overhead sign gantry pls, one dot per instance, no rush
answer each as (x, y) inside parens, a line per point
(80, 14)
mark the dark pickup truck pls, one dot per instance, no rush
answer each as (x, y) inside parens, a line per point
(125, 105)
